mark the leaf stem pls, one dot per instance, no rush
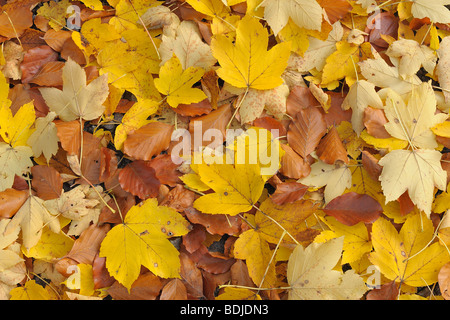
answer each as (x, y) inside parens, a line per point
(237, 107)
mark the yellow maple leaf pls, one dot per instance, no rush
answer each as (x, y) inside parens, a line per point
(246, 63)
(252, 247)
(142, 239)
(32, 291)
(343, 63)
(407, 256)
(356, 238)
(237, 188)
(15, 130)
(211, 8)
(176, 83)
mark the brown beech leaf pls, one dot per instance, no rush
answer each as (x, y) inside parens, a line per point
(194, 109)
(271, 124)
(239, 274)
(165, 169)
(146, 287)
(217, 119)
(335, 9)
(55, 39)
(406, 204)
(179, 198)
(194, 239)
(191, 276)
(121, 205)
(300, 98)
(331, 148)
(211, 86)
(306, 130)
(49, 75)
(351, 208)
(139, 179)
(34, 59)
(47, 182)
(10, 201)
(387, 291)
(15, 19)
(370, 163)
(374, 121)
(69, 134)
(108, 163)
(174, 290)
(148, 141)
(292, 165)
(215, 223)
(100, 274)
(288, 192)
(84, 249)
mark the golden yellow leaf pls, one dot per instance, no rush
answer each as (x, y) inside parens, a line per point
(407, 256)
(142, 239)
(176, 83)
(246, 63)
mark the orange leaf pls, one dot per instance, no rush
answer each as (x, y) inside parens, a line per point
(331, 148)
(370, 163)
(174, 290)
(335, 9)
(217, 119)
(148, 141)
(292, 165)
(10, 202)
(306, 130)
(49, 75)
(68, 133)
(16, 18)
(374, 121)
(47, 182)
(139, 179)
(288, 192)
(84, 249)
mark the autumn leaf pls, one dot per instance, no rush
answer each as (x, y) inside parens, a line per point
(76, 99)
(31, 218)
(407, 256)
(237, 188)
(44, 140)
(247, 63)
(307, 14)
(311, 276)
(144, 241)
(13, 161)
(176, 83)
(417, 171)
